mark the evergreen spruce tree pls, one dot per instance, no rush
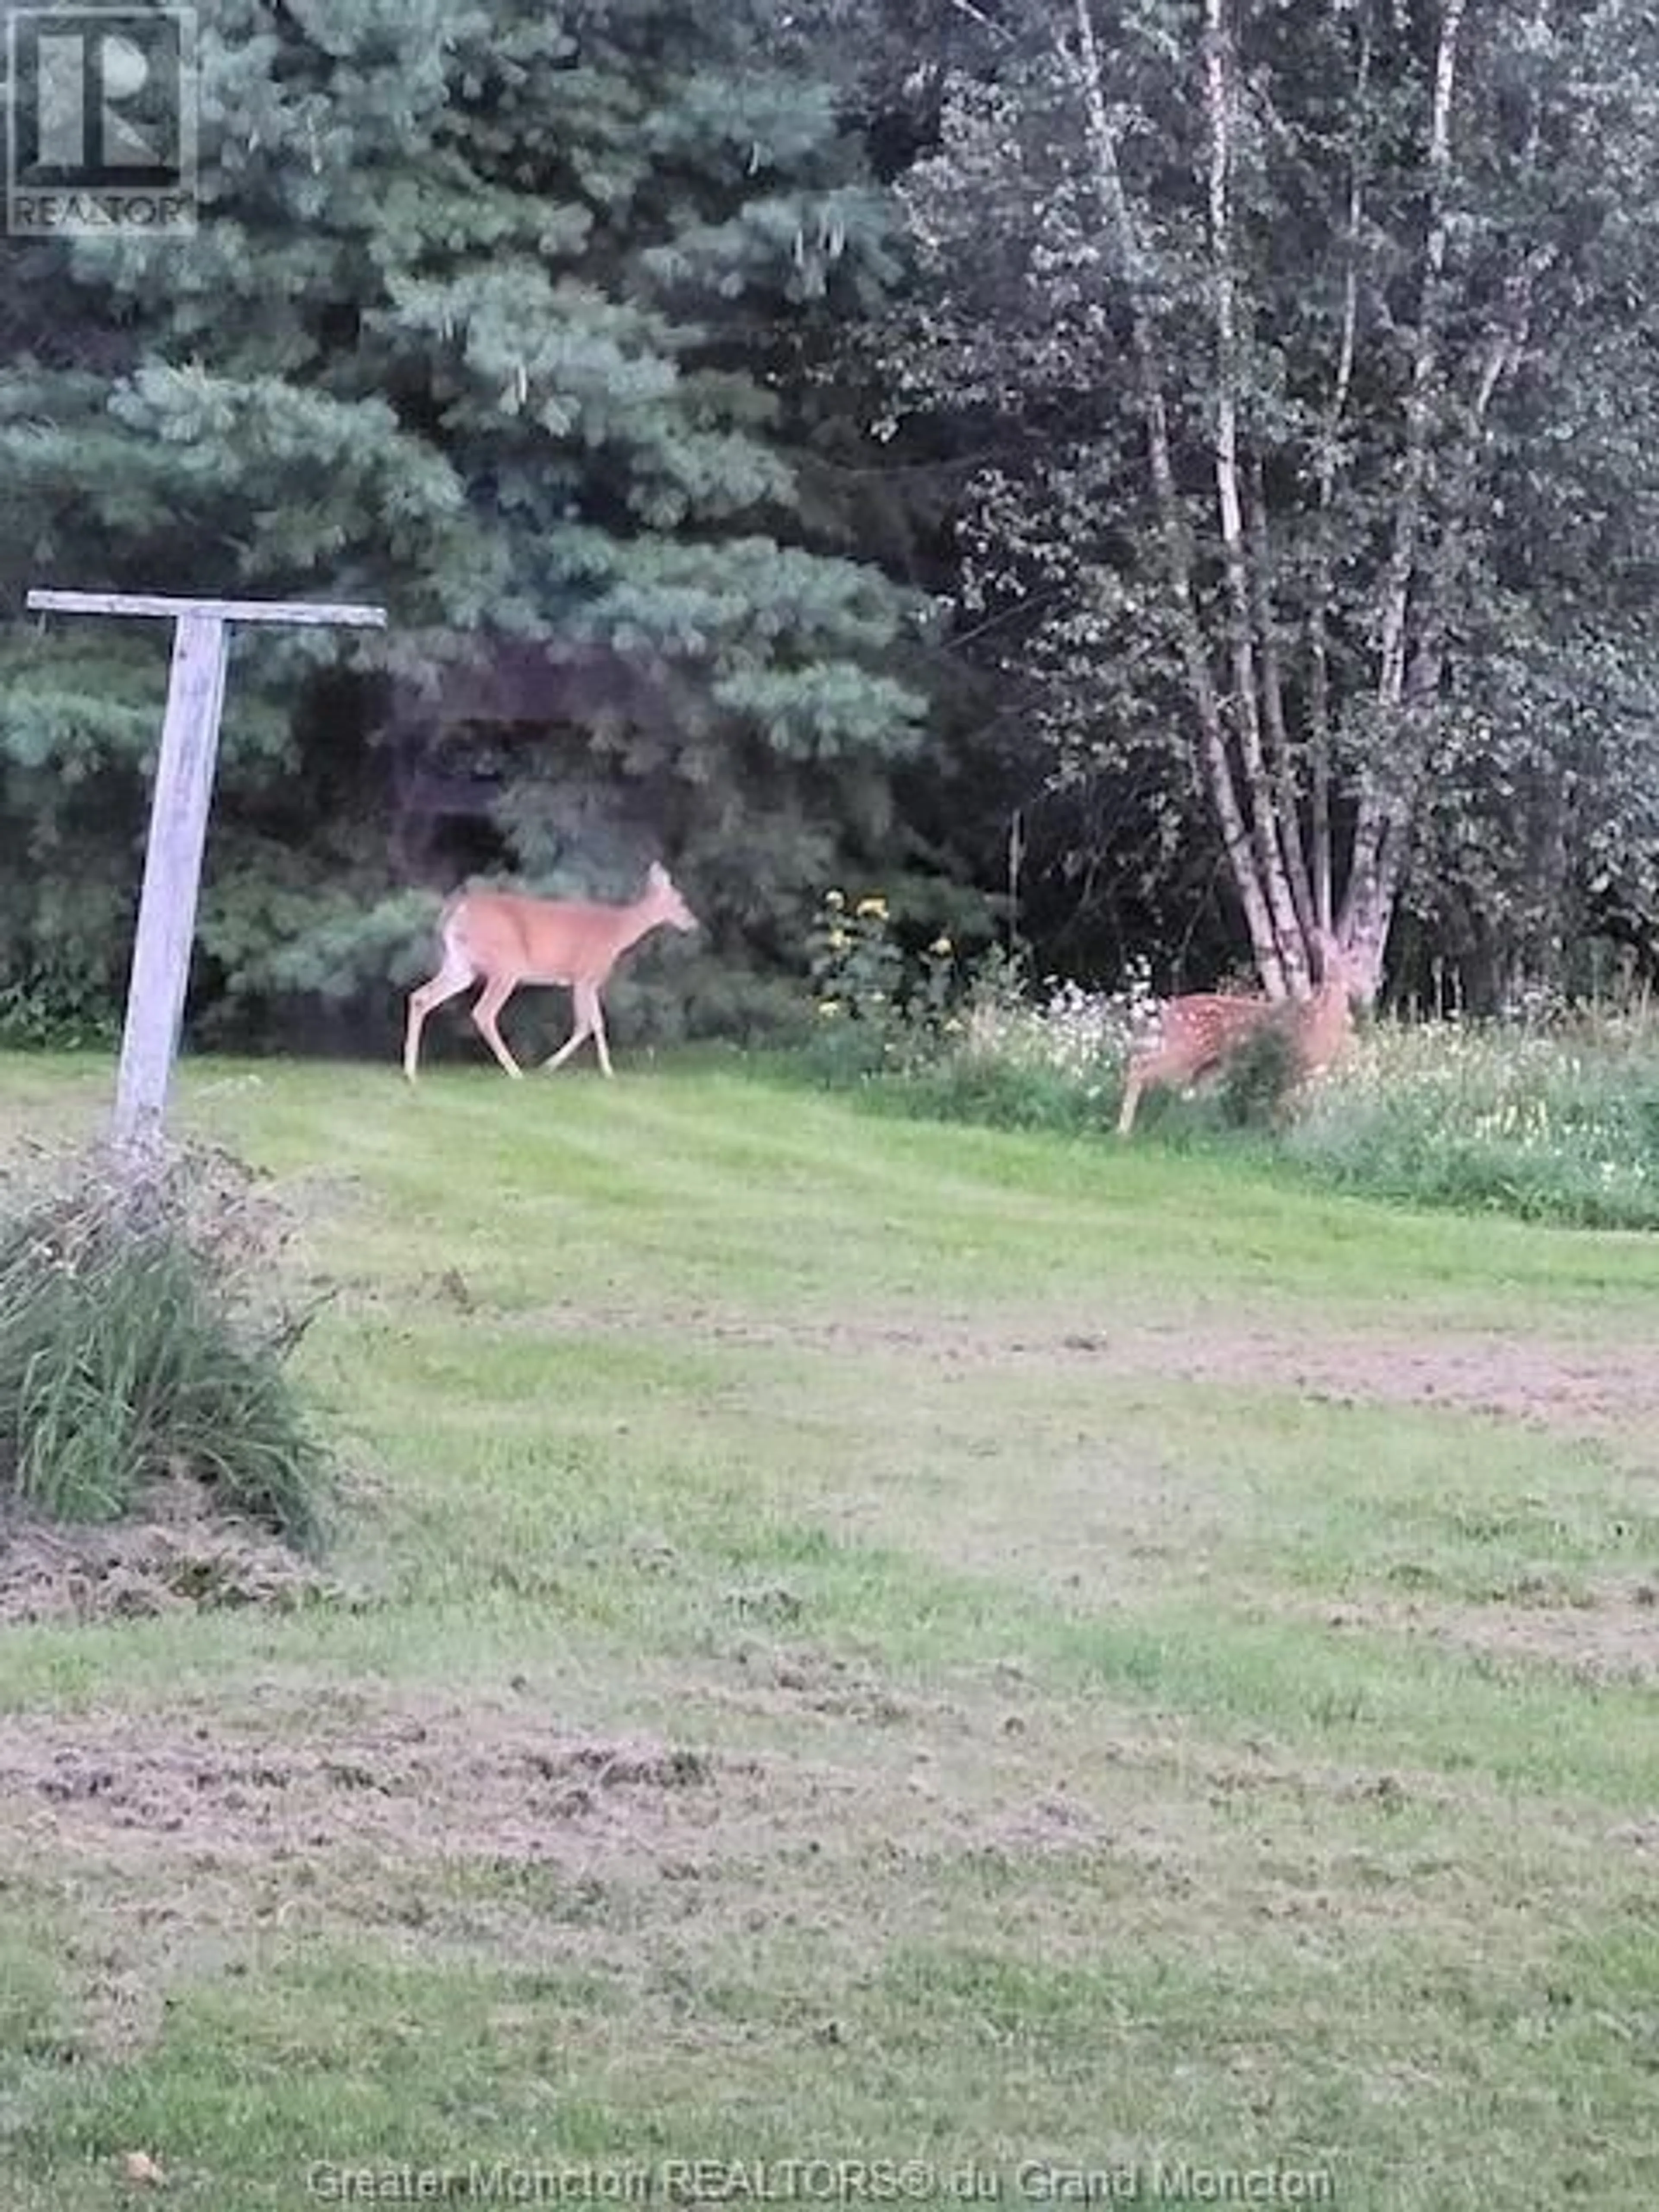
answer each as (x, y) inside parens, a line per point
(483, 318)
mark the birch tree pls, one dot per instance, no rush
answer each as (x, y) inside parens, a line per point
(1276, 322)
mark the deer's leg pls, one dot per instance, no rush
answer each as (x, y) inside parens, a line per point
(494, 996)
(1155, 1071)
(578, 1035)
(1131, 1089)
(595, 1017)
(451, 979)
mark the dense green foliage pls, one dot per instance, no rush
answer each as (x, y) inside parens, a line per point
(1555, 1122)
(1561, 1125)
(1309, 358)
(485, 319)
(1137, 480)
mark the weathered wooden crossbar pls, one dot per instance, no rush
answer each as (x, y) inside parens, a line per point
(160, 603)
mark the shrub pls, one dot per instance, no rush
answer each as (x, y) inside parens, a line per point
(1554, 1119)
(56, 1014)
(1557, 1120)
(877, 1010)
(1067, 1050)
(1550, 1124)
(1259, 1078)
(143, 1340)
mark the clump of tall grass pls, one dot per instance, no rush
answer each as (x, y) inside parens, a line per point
(1554, 1123)
(1052, 1059)
(1552, 1118)
(144, 1339)
(1557, 1122)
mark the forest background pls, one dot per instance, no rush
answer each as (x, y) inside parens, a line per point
(1166, 483)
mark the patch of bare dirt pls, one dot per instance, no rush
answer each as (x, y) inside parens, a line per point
(1611, 1636)
(485, 1826)
(183, 1556)
(477, 1784)
(180, 1837)
(1578, 1387)
(822, 1682)
(290, 1806)
(183, 1839)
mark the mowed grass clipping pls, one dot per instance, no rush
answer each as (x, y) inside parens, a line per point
(886, 1641)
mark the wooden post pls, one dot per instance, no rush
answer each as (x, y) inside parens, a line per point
(172, 875)
(178, 827)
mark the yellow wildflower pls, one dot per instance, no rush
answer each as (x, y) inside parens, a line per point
(872, 910)
(833, 899)
(838, 940)
(828, 1009)
(942, 947)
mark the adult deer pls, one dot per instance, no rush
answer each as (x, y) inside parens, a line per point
(510, 940)
(1198, 1035)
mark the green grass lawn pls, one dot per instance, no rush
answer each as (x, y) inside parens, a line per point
(883, 1641)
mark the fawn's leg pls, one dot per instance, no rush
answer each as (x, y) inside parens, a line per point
(1131, 1089)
